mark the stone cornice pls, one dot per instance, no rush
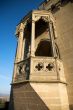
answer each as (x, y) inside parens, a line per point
(34, 81)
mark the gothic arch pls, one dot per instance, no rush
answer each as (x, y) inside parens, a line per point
(40, 26)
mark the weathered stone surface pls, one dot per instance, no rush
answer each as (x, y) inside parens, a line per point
(63, 14)
(39, 96)
(64, 26)
(24, 97)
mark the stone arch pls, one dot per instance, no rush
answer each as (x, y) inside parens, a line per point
(40, 27)
(27, 30)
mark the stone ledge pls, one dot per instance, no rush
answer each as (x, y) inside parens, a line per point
(28, 81)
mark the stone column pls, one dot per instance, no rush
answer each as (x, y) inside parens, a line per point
(20, 49)
(33, 38)
(22, 56)
(52, 38)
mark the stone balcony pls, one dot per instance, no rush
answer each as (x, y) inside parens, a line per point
(43, 69)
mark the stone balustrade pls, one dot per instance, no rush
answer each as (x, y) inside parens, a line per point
(49, 67)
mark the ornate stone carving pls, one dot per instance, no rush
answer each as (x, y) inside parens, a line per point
(50, 66)
(22, 71)
(37, 17)
(45, 18)
(39, 66)
(42, 65)
(20, 28)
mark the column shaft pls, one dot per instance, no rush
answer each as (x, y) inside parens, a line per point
(52, 39)
(22, 56)
(20, 50)
(20, 44)
(33, 39)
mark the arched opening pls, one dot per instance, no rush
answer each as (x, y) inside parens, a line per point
(41, 26)
(44, 49)
(27, 36)
(27, 31)
(26, 49)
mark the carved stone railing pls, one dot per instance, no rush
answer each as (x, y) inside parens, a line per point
(40, 69)
(22, 71)
(46, 69)
(44, 65)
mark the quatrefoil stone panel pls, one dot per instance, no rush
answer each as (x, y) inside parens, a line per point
(43, 66)
(50, 66)
(39, 66)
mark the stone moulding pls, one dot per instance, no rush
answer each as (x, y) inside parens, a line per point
(32, 81)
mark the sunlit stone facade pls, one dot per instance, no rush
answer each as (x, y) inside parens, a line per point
(62, 12)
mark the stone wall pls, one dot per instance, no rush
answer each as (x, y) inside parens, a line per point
(62, 11)
(64, 26)
(39, 96)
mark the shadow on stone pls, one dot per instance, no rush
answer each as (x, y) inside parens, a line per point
(54, 9)
(71, 107)
(5, 107)
(64, 2)
(11, 103)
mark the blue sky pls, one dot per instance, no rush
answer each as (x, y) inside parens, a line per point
(11, 12)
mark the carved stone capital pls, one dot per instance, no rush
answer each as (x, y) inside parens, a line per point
(33, 21)
(36, 17)
(21, 27)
